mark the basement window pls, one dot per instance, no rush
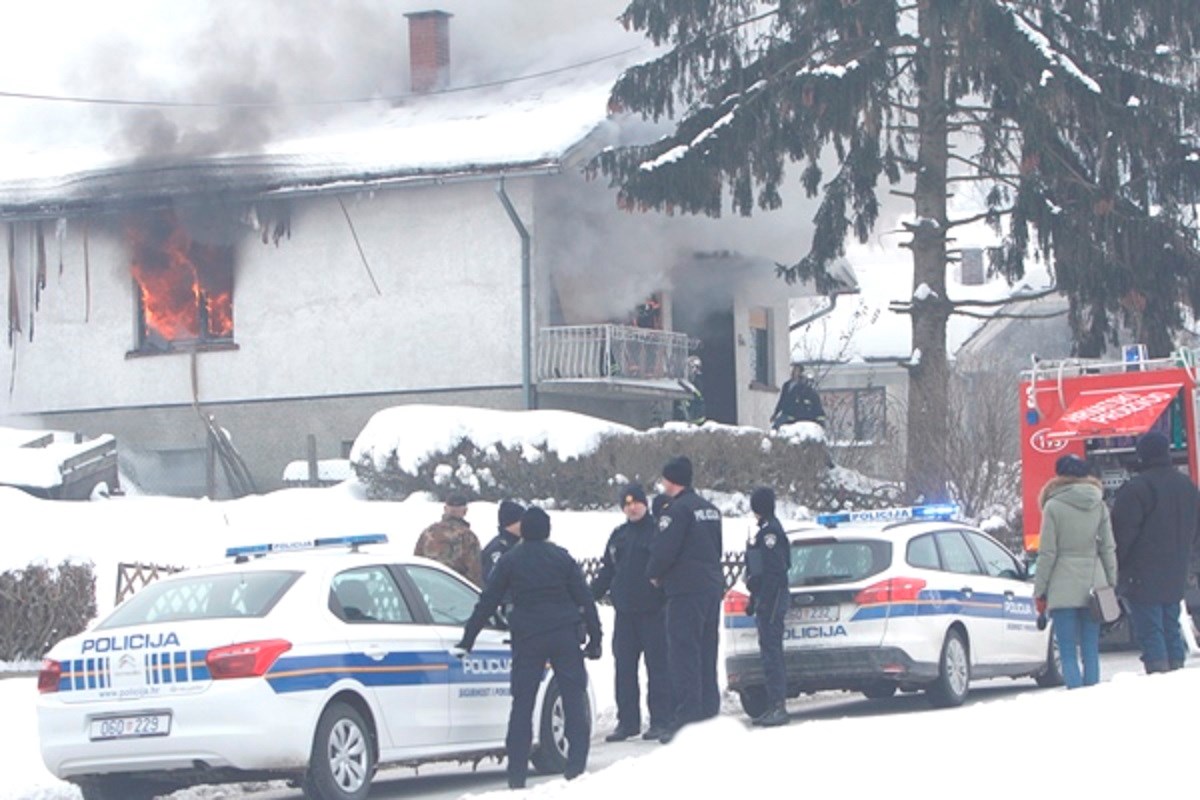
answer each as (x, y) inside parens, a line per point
(183, 286)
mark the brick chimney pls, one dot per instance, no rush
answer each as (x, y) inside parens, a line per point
(429, 50)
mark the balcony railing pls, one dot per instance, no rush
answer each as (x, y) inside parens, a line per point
(611, 352)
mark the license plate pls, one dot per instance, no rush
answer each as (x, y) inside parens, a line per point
(130, 727)
(814, 614)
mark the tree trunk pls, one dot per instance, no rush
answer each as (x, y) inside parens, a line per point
(928, 392)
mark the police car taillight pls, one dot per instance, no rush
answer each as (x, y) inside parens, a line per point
(893, 590)
(736, 602)
(245, 660)
(49, 676)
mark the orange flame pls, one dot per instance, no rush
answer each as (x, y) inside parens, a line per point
(186, 286)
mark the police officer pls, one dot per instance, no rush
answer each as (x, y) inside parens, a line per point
(685, 560)
(768, 558)
(452, 542)
(798, 401)
(506, 539)
(550, 605)
(639, 628)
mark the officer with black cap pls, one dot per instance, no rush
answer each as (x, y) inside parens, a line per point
(685, 561)
(768, 559)
(506, 539)
(551, 604)
(639, 627)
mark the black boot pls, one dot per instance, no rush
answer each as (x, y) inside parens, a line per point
(776, 716)
(1155, 666)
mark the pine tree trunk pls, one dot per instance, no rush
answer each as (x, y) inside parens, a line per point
(928, 392)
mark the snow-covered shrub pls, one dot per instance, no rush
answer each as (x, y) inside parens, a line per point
(40, 605)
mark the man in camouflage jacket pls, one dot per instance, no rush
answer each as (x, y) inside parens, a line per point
(452, 542)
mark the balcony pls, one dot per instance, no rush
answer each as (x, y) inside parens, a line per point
(604, 359)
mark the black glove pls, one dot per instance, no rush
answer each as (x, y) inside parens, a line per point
(592, 649)
(750, 606)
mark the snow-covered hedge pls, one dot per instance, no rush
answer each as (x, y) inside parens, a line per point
(39, 605)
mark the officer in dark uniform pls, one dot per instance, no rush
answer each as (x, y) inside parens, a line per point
(551, 604)
(768, 558)
(639, 627)
(505, 540)
(685, 561)
(798, 401)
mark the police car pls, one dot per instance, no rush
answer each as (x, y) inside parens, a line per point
(896, 599)
(315, 665)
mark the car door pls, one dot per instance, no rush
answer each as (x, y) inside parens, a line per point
(479, 682)
(972, 596)
(1023, 642)
(401, 660)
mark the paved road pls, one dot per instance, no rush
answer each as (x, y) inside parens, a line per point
(449, 781)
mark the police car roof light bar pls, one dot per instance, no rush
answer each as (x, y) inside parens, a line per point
(897, 514)
(353, 541)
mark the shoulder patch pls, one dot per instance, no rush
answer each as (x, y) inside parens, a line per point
(664, 522)
(496, 556)
(769, 540)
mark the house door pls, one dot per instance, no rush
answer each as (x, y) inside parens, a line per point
(713, 327)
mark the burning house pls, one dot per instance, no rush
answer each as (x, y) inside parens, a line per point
(225, 314)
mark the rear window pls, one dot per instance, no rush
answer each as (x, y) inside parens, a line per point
(843, 561)
(232, 594)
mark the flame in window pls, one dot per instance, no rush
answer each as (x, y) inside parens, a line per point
(186, 285)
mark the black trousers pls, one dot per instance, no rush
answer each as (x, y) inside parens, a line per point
(769, 619)
(638, 635)
(693, 630)
(559, 647)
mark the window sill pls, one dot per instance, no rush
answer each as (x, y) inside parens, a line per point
(184, 348)
(755, 386)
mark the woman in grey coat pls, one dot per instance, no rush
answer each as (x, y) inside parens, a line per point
(1076, 554)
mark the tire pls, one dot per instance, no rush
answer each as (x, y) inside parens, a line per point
(342, 761)
(754, 701)
(1052, 674)
(880, 691)
(954, 673)
(116, 787)
(550, 755)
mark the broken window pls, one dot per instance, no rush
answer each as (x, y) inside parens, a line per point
(183, 283)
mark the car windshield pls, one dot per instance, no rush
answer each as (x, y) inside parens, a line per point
(828, 561)
(231, 594)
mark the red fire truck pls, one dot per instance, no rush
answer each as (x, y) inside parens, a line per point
(1096, 410)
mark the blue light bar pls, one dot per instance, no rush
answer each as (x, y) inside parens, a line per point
(353, 542)
(897, 514)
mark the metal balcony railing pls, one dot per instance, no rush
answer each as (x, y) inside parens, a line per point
(603, 352)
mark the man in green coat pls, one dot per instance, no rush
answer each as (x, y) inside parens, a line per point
(1076, 553)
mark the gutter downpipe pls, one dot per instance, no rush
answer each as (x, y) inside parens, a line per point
(526, 300)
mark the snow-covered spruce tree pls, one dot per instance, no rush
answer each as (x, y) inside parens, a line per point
(1078, 114)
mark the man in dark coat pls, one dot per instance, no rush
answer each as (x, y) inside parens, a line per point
(639, 627)
(768, 559)
(798, 401)
(1156, 523)
(509, 517)
(550, 605)
(686, 562)
(452, 542)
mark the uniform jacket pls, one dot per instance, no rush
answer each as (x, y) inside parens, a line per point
(546, 589)
(500, 544)
(623, 568)
(1155, 517)
(799, 402)
(1076, 552)
(452, 542)
(768, 559)
(686, 554)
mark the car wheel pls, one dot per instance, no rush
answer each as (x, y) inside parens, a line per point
(1052, 674)
(754, 701)
(954, 673)
(342, 762)
(879, 691)
(115, 787)
(550, 755)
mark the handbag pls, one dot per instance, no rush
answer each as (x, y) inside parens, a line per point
(1103, 604)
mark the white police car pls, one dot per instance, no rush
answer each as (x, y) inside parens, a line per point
(904, 599)
(315, 666)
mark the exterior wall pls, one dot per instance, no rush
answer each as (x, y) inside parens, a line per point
(880, 459)
(757, 401)
(312, 334)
